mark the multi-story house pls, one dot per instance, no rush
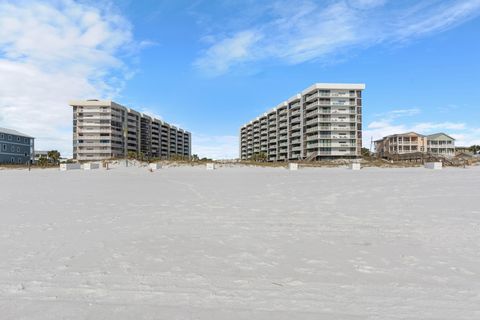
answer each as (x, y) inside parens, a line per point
(401, 143)
(322, 122)
(411, 142)
(15, 147)
(106, 130)
(441, 144)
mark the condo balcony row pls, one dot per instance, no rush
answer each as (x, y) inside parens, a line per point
(330, 104)
(326, 116)
(296, 116)
(330, 120)
(330, 94)
(327, 134)
(321, 126)
(309, 145)
(330, 112)
(330, 145)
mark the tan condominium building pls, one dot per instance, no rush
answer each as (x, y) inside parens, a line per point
(103, 129)
(412, 142)
(324, 121)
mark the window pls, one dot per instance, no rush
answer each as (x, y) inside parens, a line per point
(25, 140)
(2, 136)
(12, 160)
(19, 160)
(10, 137)
(12, 149)
(4, 147)
(18, 149)
(18, 139)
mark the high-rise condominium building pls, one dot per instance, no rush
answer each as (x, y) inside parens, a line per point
(322, 122)
(105, 130)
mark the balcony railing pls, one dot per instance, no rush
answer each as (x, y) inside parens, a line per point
(311, 97)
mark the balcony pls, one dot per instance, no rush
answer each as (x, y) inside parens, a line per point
(336, 111)
(297, 126)
(295, 120)
(338, 128)
(342, 95)
(311, 97)
(312, 106)
(92, 145)
(313, 129)
(295, 112)
(350, 137)
(295, 134)
(345, 120)
(337, 153)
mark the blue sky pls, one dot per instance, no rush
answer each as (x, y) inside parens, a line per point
(210, 66)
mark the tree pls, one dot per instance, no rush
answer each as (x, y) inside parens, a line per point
(42, 161)
(259, 157)
(366, 153)
(54, 155)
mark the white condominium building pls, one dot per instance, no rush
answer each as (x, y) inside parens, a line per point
(103, 129)
(322, 122)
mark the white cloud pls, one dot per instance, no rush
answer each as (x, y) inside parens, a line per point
(429, 126)
(215, 147)
(53, 52)
(300, 31)
(439, 16)
(468, 137)
(219, 57)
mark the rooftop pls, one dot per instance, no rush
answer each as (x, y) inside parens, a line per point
(14, 132)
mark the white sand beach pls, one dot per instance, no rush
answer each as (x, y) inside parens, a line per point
(240, 243)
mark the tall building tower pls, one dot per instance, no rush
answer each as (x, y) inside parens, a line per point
(104, 129)
(322, 122)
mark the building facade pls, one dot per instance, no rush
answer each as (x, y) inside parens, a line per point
(441, 144)
(322, 122)
(15, 147)
(401, 143)
(107, 130)
(412, 142)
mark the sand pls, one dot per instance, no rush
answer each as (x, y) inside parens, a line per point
(240, 243)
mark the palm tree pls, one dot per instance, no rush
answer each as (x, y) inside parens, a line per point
(54, 155)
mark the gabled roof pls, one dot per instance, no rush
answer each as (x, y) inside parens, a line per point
(411, 133)
(436, 135)
(14, 132)
(403, 134)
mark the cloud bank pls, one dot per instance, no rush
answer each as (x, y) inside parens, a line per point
(293, 32)
(52, 52)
